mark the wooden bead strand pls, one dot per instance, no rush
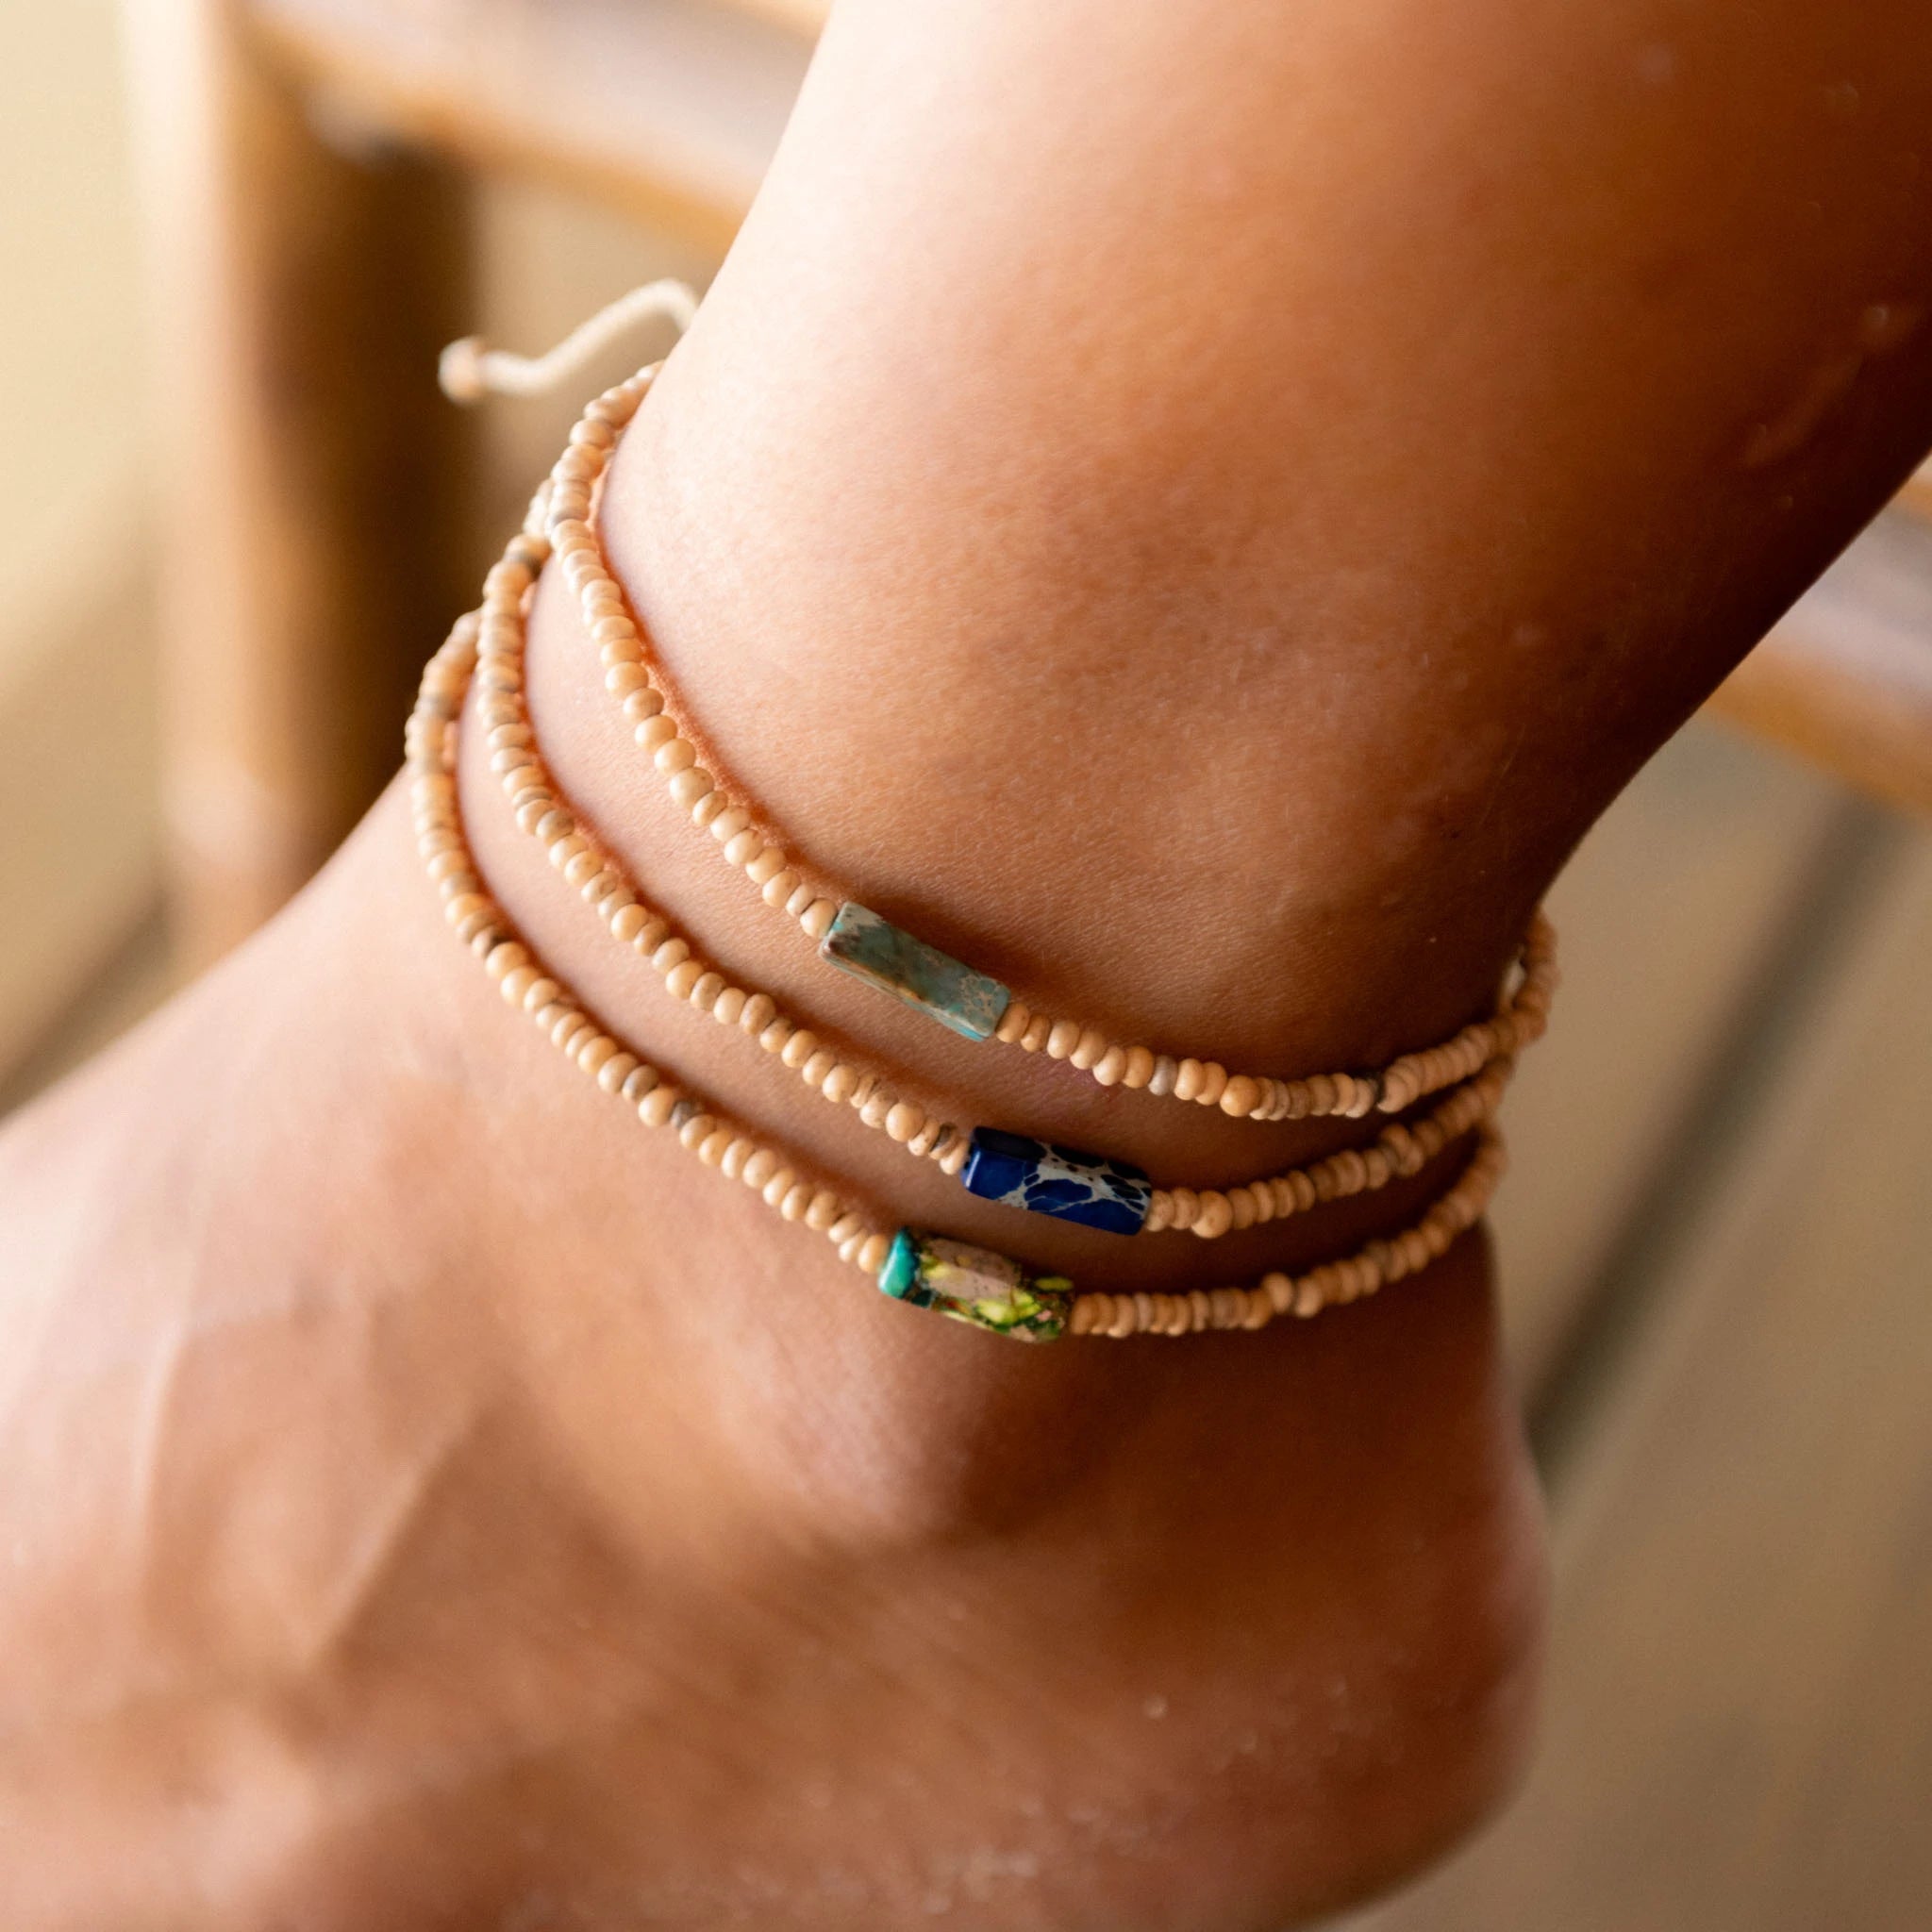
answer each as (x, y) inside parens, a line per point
(786, 883)
(1398, 1150)
(658, 1102)
(1372, 1267)
(542, 811)
(1048, 1307)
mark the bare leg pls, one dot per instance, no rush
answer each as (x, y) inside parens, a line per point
(1201, 508)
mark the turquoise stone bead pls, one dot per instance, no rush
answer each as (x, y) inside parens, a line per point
(976, 1286)
(872, 949)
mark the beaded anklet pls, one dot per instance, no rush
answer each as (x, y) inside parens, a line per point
(1061, 1182)
(858, 942)
(969, 1284)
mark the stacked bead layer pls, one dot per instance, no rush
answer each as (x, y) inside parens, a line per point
(949, 992)
(481, 925)
(973, 1285)
(1061, 1182)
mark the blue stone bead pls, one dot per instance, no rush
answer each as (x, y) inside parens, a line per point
(1060, 1181)
(870, 948)
(976, 1286)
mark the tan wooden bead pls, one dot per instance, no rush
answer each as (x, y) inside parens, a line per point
(1088, 1050)
(1110, 1068)
(744, 848)
(779, 887)
(591, 1054)
(776, 1186)
(1039, 1031)
(672, 953)
(1216, 1215)
(798, 900)
(729, 823)
(538, 994)
(1062, 1039)
(689, 786)
(798, 1198)
(1164, 1077)
(818, 917)
(1186, 1207)
(797, 1047)
(819, 1068)
(1139, 1070)
(1241, 1096)
(675, 754)
(712, 1148)
(904, 1121)
(823, 1209)
(838, 1084)
(872, 1254)
(847, 1227)
(760, 1012)
(682, 978)
(877, 1104)
(1013, 1021)
(692, 1133)
(1213, 1084)
(704, 995)
(1187, 1080)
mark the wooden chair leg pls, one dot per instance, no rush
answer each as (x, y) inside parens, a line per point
(310, 469)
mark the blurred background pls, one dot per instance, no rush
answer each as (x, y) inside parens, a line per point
(236, 516)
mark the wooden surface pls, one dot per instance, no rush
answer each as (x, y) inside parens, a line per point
(1674, 912)
(668, 110)
(299, 298)
(1739, 1730)
(1846, 679)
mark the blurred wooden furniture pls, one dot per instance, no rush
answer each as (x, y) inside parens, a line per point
(303, 156)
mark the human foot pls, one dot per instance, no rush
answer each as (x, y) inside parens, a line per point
(433, 1504)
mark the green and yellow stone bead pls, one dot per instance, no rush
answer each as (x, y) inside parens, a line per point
(976, 1286)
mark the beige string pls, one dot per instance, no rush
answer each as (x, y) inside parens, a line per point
(470, 370)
